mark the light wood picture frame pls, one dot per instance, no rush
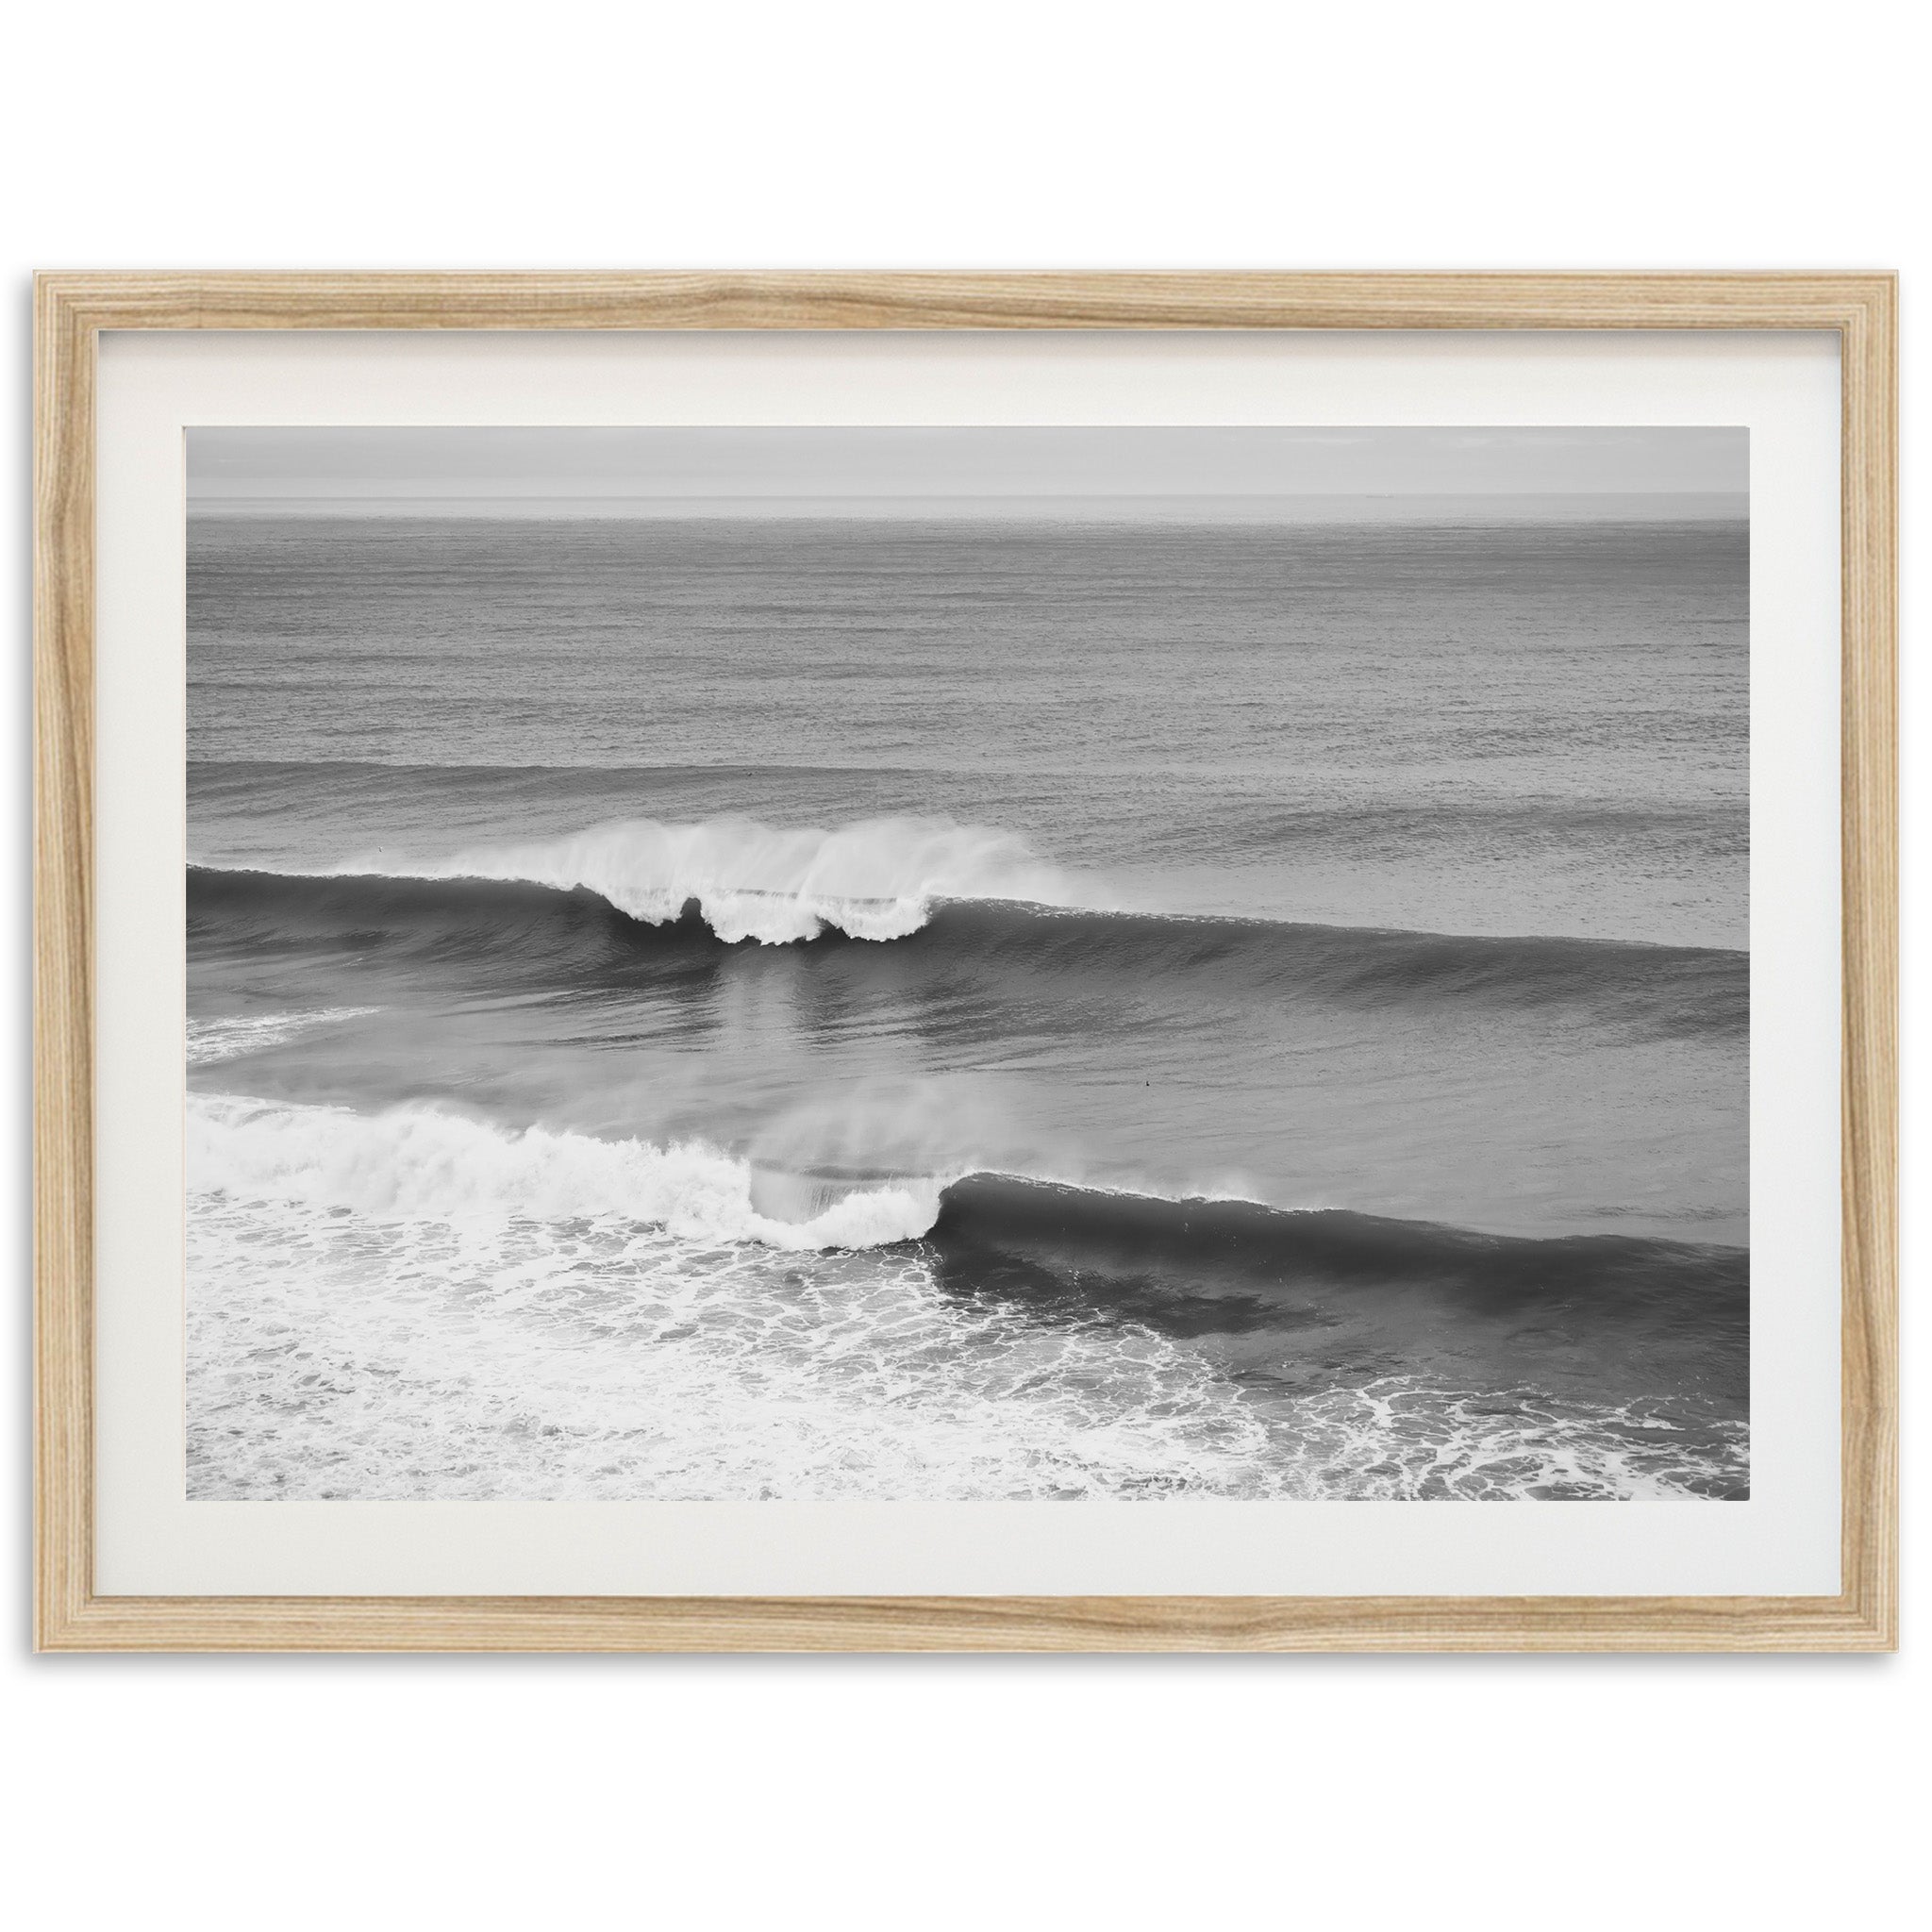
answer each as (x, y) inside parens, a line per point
(73, 311)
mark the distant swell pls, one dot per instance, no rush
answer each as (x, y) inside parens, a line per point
(521, 935)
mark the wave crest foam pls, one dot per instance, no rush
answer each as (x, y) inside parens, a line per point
(420, 1163)
(876, 880)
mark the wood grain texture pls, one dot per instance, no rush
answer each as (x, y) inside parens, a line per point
(72, 309)
(849, 301)
(1869, 1082)
(63, 962)
(969, 1623)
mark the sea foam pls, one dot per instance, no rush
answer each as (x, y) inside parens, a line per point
(424, 1163)
(415, 1303)
(875, 879)
(229, 1037)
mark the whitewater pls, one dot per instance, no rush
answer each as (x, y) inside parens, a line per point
(610, 1321)
(875, 879)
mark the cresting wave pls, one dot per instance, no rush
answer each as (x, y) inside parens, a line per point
(521, 932)
(417, 1305)
(423, 1163)
(1181, 1266)
(1356, 1288)
(418, 1162)
(876, 880)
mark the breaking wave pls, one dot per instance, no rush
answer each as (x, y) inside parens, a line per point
(876, 880)
(423, 1163)
(416, 1303)
(1213, 1263)
(574, 934)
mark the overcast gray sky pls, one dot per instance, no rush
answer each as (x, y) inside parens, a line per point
(658, 468)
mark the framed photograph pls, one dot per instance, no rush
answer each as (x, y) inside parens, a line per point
(889, 963)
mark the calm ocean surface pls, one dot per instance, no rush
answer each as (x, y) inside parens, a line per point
(817, 1007)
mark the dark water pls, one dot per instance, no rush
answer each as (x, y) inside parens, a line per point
(816, 1008)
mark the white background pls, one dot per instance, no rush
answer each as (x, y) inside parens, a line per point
(1372, 1792)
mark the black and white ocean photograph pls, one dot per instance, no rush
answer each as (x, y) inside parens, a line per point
(931, 964)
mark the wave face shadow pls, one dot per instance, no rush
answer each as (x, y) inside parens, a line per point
(1299, 1295)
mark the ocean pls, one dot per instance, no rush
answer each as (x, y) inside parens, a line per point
(856, 1006)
